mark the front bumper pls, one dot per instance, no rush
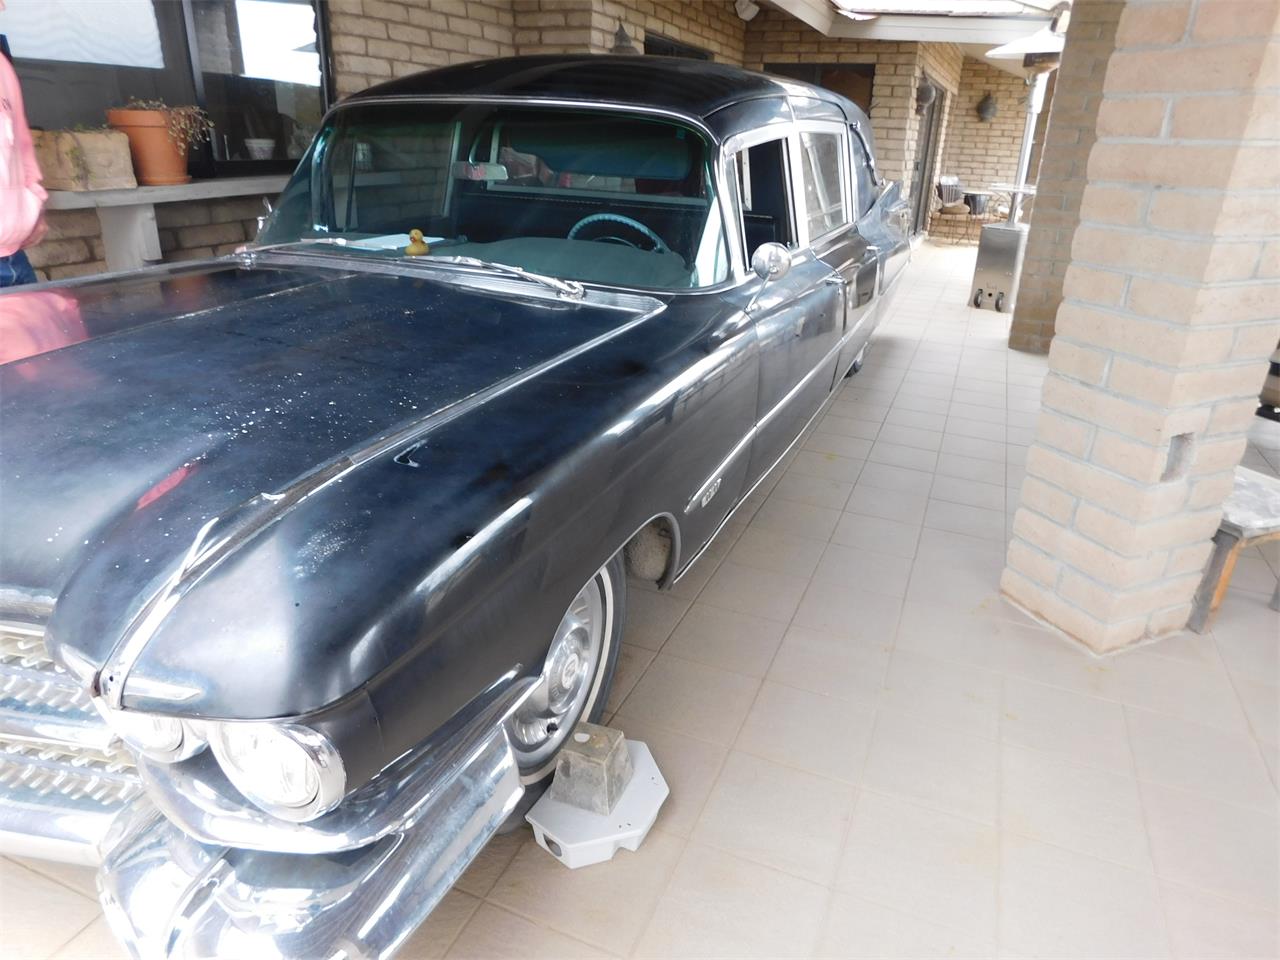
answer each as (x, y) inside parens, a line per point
(187, 880)
(166, 895)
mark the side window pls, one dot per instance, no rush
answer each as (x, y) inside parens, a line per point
(822, 171)
(764, 185)
(863, 178)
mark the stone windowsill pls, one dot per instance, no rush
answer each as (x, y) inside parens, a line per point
(270, 184)
(130, 236)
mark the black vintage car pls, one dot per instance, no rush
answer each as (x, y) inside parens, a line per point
(312, 556)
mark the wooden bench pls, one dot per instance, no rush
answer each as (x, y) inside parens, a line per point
(1251, 515)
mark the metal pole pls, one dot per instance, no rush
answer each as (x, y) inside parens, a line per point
(1035, 103)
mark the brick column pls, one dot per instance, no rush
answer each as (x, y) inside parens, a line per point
(1073, 114)
(1168, 316)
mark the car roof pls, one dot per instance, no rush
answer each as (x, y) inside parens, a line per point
(695, 88)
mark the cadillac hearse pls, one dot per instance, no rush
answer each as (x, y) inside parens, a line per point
(312, 556)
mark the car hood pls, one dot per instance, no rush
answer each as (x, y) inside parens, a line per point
(138, 414)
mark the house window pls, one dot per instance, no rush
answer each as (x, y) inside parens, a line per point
(256, 66)
(258, 74)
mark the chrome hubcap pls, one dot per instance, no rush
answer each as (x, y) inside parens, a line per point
(568, 674)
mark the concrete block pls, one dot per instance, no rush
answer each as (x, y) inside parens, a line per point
(593, 768)
(579, 838)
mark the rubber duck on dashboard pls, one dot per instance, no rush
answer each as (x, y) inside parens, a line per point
(417, 246)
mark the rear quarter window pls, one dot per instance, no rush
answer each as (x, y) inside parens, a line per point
(822, 173)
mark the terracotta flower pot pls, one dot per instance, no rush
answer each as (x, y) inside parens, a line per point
(156, 159)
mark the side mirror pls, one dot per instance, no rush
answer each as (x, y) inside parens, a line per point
(771, 261)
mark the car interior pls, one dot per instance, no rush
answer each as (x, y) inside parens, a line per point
(766, 207)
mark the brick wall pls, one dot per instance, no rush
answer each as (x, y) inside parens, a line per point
(943, 63)
(71, 248)
(1167, 319)
(1060, 182)
(584, 26)
(980, 152)
(375, 40)
(188, 231)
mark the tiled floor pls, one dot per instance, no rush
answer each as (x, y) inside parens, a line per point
(870, 754)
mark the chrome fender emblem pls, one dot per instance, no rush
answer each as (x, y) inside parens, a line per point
(710, 492)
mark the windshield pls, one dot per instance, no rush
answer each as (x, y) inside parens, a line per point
(588, 195)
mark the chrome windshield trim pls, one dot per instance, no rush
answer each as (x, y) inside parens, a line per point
(728, 210)
(502, 100)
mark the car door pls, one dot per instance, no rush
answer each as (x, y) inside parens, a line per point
(831, 203)
(798, 320)
(798, 316)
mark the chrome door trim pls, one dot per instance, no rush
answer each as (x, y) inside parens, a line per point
(745, 441)
(759, 480)
(721, 469)
(834, 128)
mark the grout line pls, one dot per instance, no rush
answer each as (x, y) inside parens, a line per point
(1000, 825)
(14, 864)
(537, 922)
(457, 934)
(1146, 827)
(34, 867)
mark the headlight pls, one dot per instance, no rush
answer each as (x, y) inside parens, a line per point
(160, 737)
(289, 771)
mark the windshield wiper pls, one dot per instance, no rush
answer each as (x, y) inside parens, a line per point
(570, 289)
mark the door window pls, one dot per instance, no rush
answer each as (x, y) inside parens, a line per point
(822, 172)
(764, 186)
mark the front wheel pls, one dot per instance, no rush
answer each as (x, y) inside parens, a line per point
(576, 676)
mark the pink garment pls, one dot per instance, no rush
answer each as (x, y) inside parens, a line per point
(21, 196)
(33, 322)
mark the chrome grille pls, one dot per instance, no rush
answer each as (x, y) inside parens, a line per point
(23, 646)
(105, 776)
(39, 700)
(29, 675)
(64, 777)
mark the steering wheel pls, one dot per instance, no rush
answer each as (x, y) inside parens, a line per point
(636, 225)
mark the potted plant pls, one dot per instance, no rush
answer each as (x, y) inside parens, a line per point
(160, 137)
